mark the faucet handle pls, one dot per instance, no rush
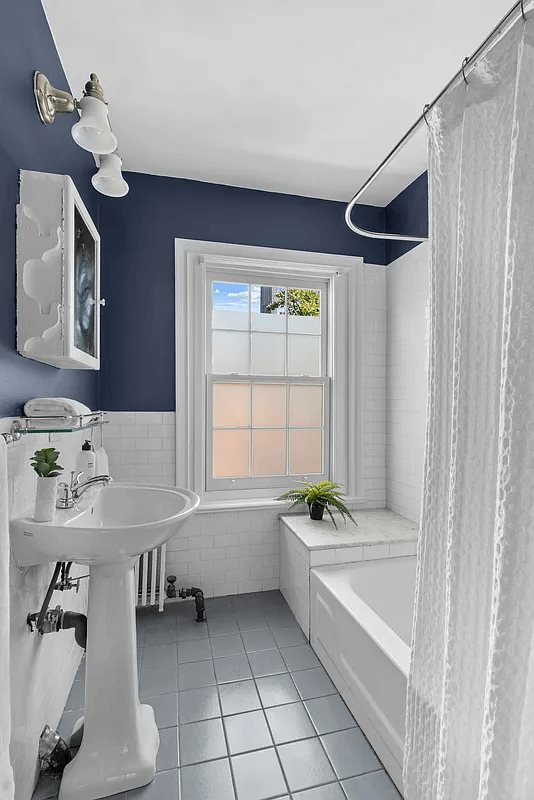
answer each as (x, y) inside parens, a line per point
(74, 478)
(63, 496)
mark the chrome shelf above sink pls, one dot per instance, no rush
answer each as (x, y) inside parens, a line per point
(65, 424)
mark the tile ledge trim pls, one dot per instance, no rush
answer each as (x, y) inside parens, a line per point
(210, 506)
(241, 505)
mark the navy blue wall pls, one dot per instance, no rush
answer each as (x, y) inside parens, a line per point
(138, 234)
(408, 214)
(25, 143)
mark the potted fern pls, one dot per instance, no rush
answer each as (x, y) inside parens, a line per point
(319, 496)
(45, 465)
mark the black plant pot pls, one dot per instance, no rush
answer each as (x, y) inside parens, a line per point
(316, 511)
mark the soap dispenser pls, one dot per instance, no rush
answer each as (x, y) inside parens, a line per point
(101, 457)
(85, 461)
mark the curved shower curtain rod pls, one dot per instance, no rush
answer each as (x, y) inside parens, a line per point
(517, 10)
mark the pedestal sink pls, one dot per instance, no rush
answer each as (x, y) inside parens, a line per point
(120, 738)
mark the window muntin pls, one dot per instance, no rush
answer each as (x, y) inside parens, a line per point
(268, 393)
(266, 330)
(267, 429)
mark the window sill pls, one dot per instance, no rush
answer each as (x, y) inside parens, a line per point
(259, 503)
(242, 505)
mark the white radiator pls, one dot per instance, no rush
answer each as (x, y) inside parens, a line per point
(150, 578)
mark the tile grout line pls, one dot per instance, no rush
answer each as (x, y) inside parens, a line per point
(254, 679)
(277, 754)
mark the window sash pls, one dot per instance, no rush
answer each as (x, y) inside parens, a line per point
(275, 279)
(279, 483)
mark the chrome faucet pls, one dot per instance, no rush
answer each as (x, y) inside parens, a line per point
(69, 495)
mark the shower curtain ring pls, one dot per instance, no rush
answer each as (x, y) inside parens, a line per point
(464, 64)
(425, 110)
(523, 11)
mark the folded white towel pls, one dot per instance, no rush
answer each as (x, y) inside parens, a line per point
(54, 407)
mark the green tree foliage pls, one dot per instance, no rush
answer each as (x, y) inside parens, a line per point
(300, 302)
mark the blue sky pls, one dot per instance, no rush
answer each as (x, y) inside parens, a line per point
(234, 297)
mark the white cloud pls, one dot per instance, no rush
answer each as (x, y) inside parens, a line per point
(216, 291)
(238, 294)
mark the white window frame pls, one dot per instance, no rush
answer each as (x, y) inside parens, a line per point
(344, 278)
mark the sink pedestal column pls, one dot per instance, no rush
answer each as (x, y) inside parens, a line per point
(120, 738)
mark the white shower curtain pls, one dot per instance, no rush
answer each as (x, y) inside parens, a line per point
(470, 706)
(6, 772)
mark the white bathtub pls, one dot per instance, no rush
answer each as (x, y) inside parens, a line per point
(361, 623)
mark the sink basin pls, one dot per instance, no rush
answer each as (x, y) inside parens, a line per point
(117, 523)
(108, 532)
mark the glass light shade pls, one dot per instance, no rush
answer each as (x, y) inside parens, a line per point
(108, 180)
(92, 131)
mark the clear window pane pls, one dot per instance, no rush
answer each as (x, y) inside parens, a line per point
(269, 452)
(304, 355)
(268, 308)
(231, 454)
(304, 306)
(305, 406)
(230, 305)
(231, 405)
(269, 405)
(231, 352)
(268, 354)
(305, 452)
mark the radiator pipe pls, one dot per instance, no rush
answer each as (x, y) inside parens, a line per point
(199, 603)
(77, 621)
(194, 591)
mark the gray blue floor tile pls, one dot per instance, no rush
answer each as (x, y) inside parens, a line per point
(244, 709)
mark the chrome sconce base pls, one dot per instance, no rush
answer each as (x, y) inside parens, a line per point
(50, 101)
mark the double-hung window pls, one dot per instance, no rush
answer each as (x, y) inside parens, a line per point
(267, 384)
(268, 371)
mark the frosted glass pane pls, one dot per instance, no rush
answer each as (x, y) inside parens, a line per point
(231, 405)
(230, 454)
(305, 406)
(305, 452)
(230, 303)
(269, 405)
(304, 324)
(304, 355)
(268, 354)
(230, 319)
(262, 319)
(269, 452)
(230, 352)
(268, 322)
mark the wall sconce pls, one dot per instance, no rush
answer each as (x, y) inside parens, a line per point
(108, 180)
(92, 132)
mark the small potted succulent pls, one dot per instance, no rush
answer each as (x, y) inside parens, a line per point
(45, 464)
(319, 496)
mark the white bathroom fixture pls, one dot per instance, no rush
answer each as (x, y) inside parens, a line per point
(92, 132)
(108, 180)
(150, 578)
(361, 624)
(120, 738)
(58, 274)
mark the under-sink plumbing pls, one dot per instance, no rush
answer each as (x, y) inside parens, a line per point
(46, 621)
(195, 592)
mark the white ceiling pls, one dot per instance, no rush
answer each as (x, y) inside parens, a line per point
(297, 96)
